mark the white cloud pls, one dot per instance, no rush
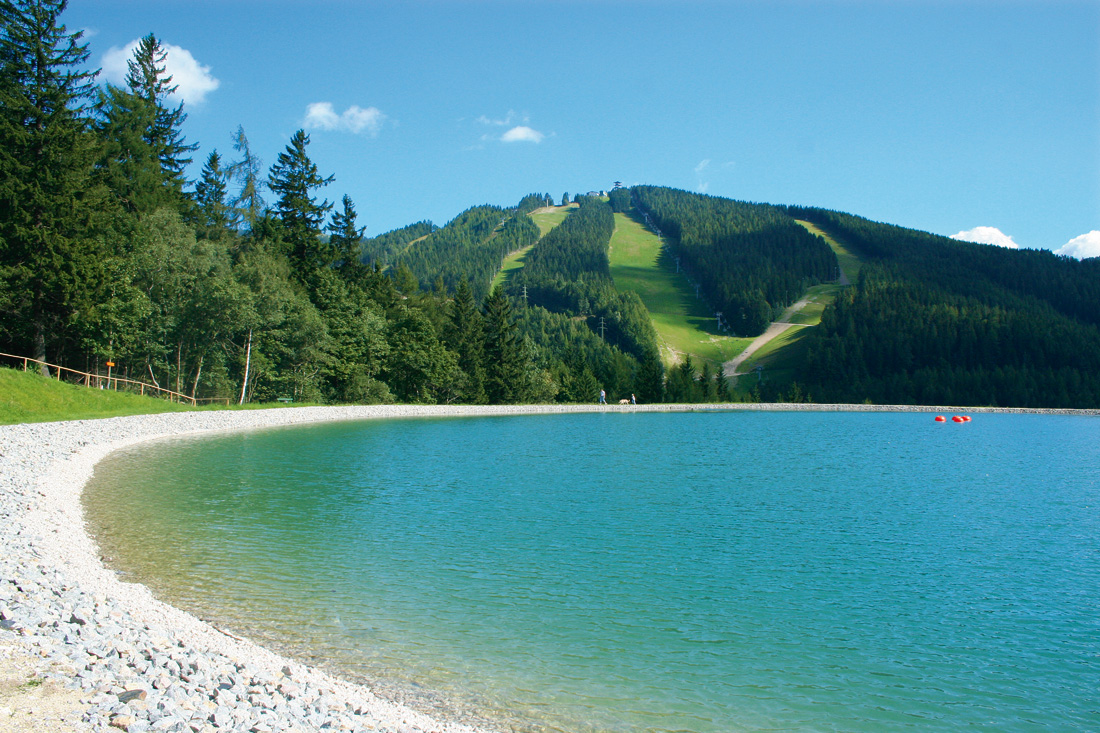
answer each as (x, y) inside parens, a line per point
(355, 119)
(1087, 245)
(522, 133)
(986, 235)
(193, 80)
(702, 166)
(507, 120)
(702, 187)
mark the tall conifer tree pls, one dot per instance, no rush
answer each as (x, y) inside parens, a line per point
(504, 357)
(50, 266)
(215, 214)
(346, 239)
(293, 179)
(465, 336)
(249, 203)
(148, 78)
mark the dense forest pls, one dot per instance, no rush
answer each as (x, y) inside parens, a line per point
(246, 283)
(750, 260)
(937, 321)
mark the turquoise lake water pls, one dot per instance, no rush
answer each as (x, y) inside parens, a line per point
(695, 572)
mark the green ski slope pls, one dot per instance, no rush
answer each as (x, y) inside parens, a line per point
(684, 324)
(546, 218)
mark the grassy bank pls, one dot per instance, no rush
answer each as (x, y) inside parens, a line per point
(849, 263)
(30, 397)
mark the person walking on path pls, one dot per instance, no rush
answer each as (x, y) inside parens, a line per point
(632, 400)
(603, 397)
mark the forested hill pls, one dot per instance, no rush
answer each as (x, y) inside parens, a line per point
(751, 260)
(937, 321)
(249, 284)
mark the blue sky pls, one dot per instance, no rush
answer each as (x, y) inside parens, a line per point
(941, 116)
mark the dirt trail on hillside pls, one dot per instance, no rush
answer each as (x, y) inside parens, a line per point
(777, 327)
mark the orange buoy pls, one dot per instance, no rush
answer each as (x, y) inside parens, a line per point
(966, 418)
(941, 418)
(956, 418)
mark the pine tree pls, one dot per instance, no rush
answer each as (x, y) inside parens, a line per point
(504, 367)
(215, 215)
(293, 179)
(465, 335)
(128, 165)
(50, 265)
(707, 388)
(346, 239)
(405, 281)
(149, 80)
(722, 385)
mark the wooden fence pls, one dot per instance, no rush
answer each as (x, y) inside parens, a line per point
(108, 382)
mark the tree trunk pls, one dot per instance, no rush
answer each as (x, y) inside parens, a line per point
(247, 364)
(198, 373)
(40, 346)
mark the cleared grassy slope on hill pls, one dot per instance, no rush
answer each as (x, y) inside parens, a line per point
(849, 263)
(781, 356)
(546, 219)
(684, 324)
(549, 217)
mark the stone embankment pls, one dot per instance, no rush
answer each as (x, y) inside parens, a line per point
(82, 650)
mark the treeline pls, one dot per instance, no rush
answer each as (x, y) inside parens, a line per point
(384, 249)
(470, 249)
(751, 261)
(1070, 286)
(937, 321)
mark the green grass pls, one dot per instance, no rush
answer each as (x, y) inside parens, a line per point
(549, 217)
(849, 263)
(30, 397)
(512, 263)
(782, 352)
(820, 296)
(781, 356)
(546, 219)
(684, 324)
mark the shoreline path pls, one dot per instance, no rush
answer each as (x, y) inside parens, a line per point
(80, 650)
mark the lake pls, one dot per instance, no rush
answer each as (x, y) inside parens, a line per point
(697, 572)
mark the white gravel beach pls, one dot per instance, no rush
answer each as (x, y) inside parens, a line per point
(104, 655)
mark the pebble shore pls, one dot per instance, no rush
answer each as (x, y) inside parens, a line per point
(140, 665)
